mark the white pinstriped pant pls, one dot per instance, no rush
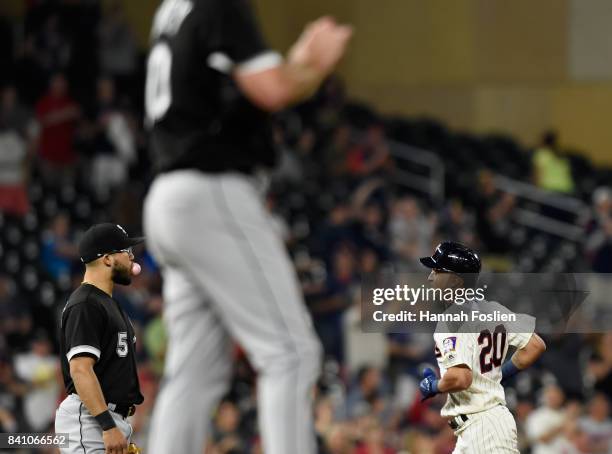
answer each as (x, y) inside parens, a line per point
(488, 432)
(226, 274)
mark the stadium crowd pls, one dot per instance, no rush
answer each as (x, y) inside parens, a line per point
(73, 151)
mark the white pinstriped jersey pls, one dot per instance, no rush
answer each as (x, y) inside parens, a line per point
(481, 346)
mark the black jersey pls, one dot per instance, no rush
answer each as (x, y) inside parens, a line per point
(197, 116)
(94, 324)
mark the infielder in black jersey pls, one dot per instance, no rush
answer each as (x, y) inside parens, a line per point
(97, 345)
(211, 84)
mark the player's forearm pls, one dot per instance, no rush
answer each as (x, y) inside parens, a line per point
(455, 381)
(529, 354)
(89, 390)
(301, 82)
(280, 87)
(452, 386)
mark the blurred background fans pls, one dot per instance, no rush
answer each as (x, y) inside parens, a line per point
(481, 121)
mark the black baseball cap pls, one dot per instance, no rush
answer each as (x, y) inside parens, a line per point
(105, 238)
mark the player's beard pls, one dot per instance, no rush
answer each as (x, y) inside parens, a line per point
(121, 275)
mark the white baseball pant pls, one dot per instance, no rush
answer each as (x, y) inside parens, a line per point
(491, 431)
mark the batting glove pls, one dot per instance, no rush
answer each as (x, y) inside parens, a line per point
(429, 384)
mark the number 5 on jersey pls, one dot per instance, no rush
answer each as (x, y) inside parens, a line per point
(122, 344)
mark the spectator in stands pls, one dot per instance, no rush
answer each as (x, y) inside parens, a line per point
(15, 146)
(423, 443)
(137, 299)
(14, 115)
(57, 114)
(575, 440)
(426, 416)
(406, 353)
(324, 417)
(12, 391)
(338, 440)
(545, 425)
(374, 442)
(372, 156)
(360, 223)
(598, 253)
(226, 434)
(53, 49)
(372, 228)
(39, 369)
(8, 423)
(118, 47)
(599, 232)
(149, 385)
(563, 361)
(369, 261)
(15, 317)
(493, 210)
(456, 224)
(336, 297)
(113, 141)
(411, 233)
(329, 103)
(304, 149)
(522, 410)
(368, 207)
(597, 424)
(552, 171)
(278, 221)
(364, 393)
(155, 337)
(334, 154)
(337, 229)
(296, 163)
(600, 365)
(58, 250)
(361, 347)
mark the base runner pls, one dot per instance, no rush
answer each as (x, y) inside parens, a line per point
(471, 362)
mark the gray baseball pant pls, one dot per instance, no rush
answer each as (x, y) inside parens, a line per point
(84, 432)
(227, 274)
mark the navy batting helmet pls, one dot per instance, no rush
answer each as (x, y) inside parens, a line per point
(453, 257)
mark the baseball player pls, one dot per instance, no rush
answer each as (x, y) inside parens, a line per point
(211, 85)
(97, 348)
(471, 362)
